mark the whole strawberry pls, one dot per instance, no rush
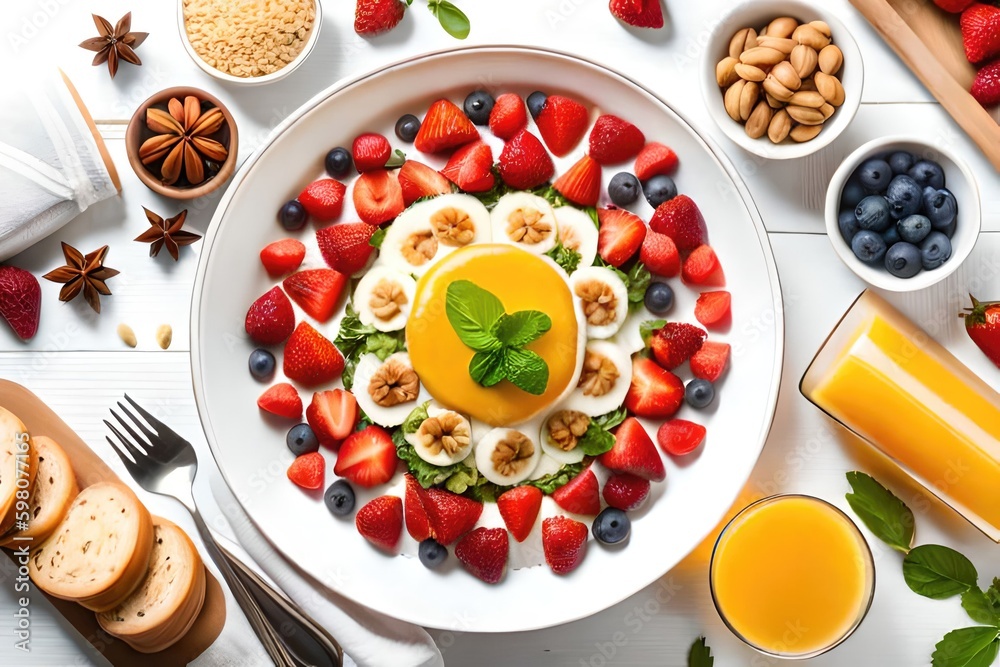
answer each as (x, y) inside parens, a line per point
(20, 301)
(982, 322)
(986, 86)
(954, 6)
(373, 17)
(980, 25)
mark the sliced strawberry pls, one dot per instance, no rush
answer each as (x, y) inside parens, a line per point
(980, 25)
(20, 301)
(634, 453)
(675, 342)
(381, 520)
(323, 199)
(316, 291)
(308, 471)
(713, 309)
(524, 163)
(417, 523)
(659, 254)
(702, 267)
(311, 359)
(450, 514)
(581, 495)
(471, 167)
(282, 256)
(621, 235)
(710, 361)
(613, 140)
(655, 159)
(564, 542)
(378, 197)
(371, 151)
(418, 180)
(367, 457)
(508, 116)
(678, 437)
(625, 491)
(281, 400)
(519, 509)
(483, 552)
(373, 17)
(270, 319)
(562, 122)
(444, 127)
(345, 246)
(681, 220)
(638, 13)
(655, 393)
(332, 415)
(582, 183)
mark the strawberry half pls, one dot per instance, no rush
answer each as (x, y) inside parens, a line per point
(954, 6)
(681, 220)
(678, 437)
(564, 542)
(373, 17)
(471, 167)
(714, 309)
(519, 509)
(710, 361)
(270, 319)
(308, 471)
(634, 453)
(323, 200)
(675, 342)
(982, 323)
(332, 415)
(282, 256)
(980, 25)
(986, 85)
(417, 523)
(638, 13)
(581, 184)
(524, 163)
(581, 495)
(562, 122)
(702, 267)
(378, 197)
(655, 159)
(281, 400)
(367, 457)
(620, 236)
(613, 140)
(660, 255)
(311, 359)
(483, 552)
(20, 301)
(418, 180)
(345, 246)
(509, 116)
(450, 515)
(655, 392)
(371, 151)
(316, 291)
(625, 491)
(381, 520)
(444, 127)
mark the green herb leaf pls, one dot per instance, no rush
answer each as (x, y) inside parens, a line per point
(648, 328)
(487, 368)
(592, 212)
(938, 572)
(993, 594)
(526, 370)
(493, 195)
(414, 419)
(397, 159)
(451, 18)
(567, 258)
(968, 647)
(378, 237)
(472, 312)
(520, 328)
(637, 280)
(549, 483)
(885, 515)
(609, 420)
(550, 194)
(596, 440)
(700, 655)
(979, 607)
(364, 421)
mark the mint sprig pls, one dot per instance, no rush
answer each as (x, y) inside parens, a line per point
(451, 18)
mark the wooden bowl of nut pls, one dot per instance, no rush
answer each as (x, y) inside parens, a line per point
(782, 79)
(182, 143)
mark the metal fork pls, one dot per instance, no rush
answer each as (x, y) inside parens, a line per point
(163, 462)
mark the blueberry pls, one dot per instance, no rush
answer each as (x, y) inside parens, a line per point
(292, 215)
(900, 162)
(261, 364)
(659, 189)
(432, 553)
(853, 193)
(935, 250)
(848, 224)
(873, 213)
(699, 393)
(611, 526)
(891, 236)
(949, 229)
(339, 498)
(868, 246)
(914, 228)
(928, 173)
(940, 206)
(875, 174)
(903, 260)
(338, 162)
(659, 298)
(407, 127)
(904, 197)
(535, 102)
(623, 189)
(478, 106)
(301, 440)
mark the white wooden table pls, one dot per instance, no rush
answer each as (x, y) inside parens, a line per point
(78, 365)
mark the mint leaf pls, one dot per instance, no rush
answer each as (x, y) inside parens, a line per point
(472, 312)
(487, 368)
(968, 647)
(378, 237)
(938, 572)
(993, 594)
(700, 655)
(550, 194)
(609, 420)
(520, 328)
(397, 159)
(885, 515)
(596, 440)
(979, 607)
(567, 258)
(648, 328)
(637, 280)
(451, 18)
(526, 370)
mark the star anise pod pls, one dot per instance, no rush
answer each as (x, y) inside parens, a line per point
(182, 139)
(83, 274)
(114, 44)
(166, 233)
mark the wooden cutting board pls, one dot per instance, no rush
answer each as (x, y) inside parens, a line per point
(90, 469)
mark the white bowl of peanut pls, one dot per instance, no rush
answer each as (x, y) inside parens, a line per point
(249, 44)
(782, 78)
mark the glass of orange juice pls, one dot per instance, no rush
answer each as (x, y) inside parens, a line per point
(792, 576)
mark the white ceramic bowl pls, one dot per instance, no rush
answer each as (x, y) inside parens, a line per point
(756, 14)
(958, 178)
(251, 80)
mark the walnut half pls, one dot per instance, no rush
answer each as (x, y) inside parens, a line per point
(566, 427)
(393, 383)
(599, 374)
(599, 302)
(512, 454)
(448, 431)
(453, 227)
(419, 247)
(388, 299)
(528, 225)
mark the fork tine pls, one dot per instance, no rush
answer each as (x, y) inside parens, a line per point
(136, 453)
(145, 444)
(150, 419)
(133, 468)
(151, 438)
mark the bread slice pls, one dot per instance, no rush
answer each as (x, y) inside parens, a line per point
(54, 489)
(18, 460)
(99, 552)
(165, 605)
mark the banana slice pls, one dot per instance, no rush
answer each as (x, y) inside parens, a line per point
(604, 380)
(560, 433)
(524, 220)
(457, 220)
(387, 390)
(383, 298)
(578, 232)
(410, 245)
(444, 438)
(604, 298)
(506, 456)
(546, 466)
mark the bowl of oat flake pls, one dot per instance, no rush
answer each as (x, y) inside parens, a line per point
(249, 42)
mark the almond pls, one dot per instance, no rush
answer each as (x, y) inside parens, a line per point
(776, 89)
(803, 133)
(830, 88)
(748, 99)
(741, 41)
(810, 36)
(805, 115)
(725, 72)
(732, 99)
(750, 73)
(780, 126)
(762, 56)
(807, 98)
(831, 59)
(759, 120)
(804, 59)
(782, 27)
(785, 73)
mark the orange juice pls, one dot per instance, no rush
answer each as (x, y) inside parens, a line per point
(888, 381)
(792, 576)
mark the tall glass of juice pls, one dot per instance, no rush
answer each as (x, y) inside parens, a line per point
(792, 576)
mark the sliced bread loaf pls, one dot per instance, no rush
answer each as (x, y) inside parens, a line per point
(165, 605)
(54, 489)
(18, 460)
(99, 552)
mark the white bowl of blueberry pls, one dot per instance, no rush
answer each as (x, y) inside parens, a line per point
(902, 214)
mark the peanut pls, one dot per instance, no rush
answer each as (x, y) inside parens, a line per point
(774, 102)
(127, 335)
(782, 27)
(725, 72)
(732, 99)
(822, 27)
(748, 99)
(759, 120)
(831, 58)
(776, 89)
(782, 44)
(780, 126)
(741, 41)
(807, 98)
(749, 72)
(164, 336)
(810, 36)
(804, 133)
(786, 75)
(805, 115)
(804, 60)
(762, 56)
(830, 88)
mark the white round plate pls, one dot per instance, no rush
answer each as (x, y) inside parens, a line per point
(250, 449)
